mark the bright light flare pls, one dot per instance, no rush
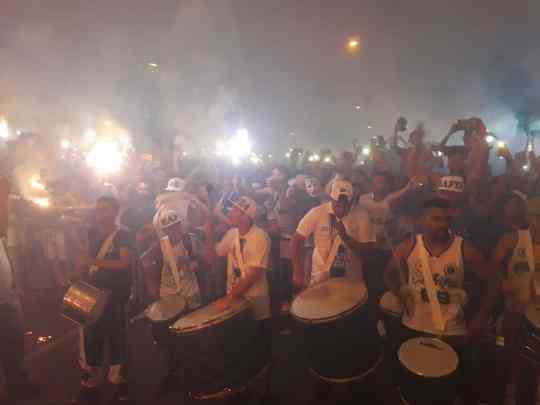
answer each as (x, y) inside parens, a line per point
(366, 150)
(314, 158)
(4, 128)
(105, 158)
(501, 144)
(36, 184)
(64, 143)
(90, 135)
(490, 139)
(237, 148)
(41, 202)
(255, 160)
(327, 159)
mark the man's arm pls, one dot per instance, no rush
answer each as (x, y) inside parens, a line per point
(298, 254)
(360, 249)
(395, 272)
(245, 283)
(119, 264)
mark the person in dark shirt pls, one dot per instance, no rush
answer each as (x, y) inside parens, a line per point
(107, 260)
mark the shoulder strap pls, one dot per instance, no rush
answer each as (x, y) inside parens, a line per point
(430, 286)
(105, 246)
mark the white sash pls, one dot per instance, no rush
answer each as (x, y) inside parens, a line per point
(105, 246)
(169, 256)
(332, 255)
(430, 287)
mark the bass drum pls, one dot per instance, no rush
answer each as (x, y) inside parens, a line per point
(428, 372)
(223, 350)
(338, 330)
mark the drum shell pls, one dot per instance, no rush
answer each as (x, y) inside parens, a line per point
(391, 320)
(223, 355)
(84, 304)
(418, 390)
(345, 347)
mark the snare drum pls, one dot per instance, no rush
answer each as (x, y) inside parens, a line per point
(84, 304)
(339, 331)
(531, 344)
(390, 312)
(222, 351)
(428, 371)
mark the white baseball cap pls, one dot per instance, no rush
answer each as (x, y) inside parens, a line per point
(341, 188)
(175, 184)
(452, 183)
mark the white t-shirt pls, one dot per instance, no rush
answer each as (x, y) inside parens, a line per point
(189, 286)
(317, 222)
(253, 249)
(520, 275)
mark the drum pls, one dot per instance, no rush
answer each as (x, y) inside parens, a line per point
(390, 314)
(428, 371)
(531, 342)
(339, 332)
(223, 350)
(84, 304)
(164, 311)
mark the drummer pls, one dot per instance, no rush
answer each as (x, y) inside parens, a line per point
(448, 258)
(247, 248)
(176, 280)
(339, 230)
(518, 257)
(107, 260)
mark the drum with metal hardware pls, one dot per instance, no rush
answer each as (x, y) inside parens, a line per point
(223, 350)
(338, 330)
(428, 371)
(531, 342)
(84, 304)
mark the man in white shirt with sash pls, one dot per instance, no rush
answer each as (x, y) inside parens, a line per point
(342, 235)
(428, 273)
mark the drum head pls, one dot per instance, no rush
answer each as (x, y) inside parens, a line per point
(207, 317)
(428, 357)
(166, 308)
(329, 299)
(533, 313)
(390, 304)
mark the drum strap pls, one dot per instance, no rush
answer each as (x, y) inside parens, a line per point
(332, 255)
(430, 286)
(105, 246)
(529, 252)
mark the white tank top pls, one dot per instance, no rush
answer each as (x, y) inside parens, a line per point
(519, 272)
(448, 278)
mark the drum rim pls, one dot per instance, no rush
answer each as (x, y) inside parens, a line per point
(168, 319)
(412, 372)
(333, 317)
(385, 309)
(92, 317)
(244, 304)
(533, 304)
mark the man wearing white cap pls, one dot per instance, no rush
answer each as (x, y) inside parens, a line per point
(247, 248)
(342, 235)
(177, 260)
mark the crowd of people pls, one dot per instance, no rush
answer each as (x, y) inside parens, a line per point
(457, 245)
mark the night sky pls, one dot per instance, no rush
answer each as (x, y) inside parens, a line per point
(276, 67)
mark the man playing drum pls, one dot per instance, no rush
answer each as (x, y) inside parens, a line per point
(445, 258)
(518, 257)
(338, 229)
(178, 288)
(247, 248)
(107, 259)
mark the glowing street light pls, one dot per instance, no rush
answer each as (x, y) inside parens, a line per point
(490, 138)
(105, 157)
(64, 143)
(353, 45)
(357, 108)
(366, 151)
